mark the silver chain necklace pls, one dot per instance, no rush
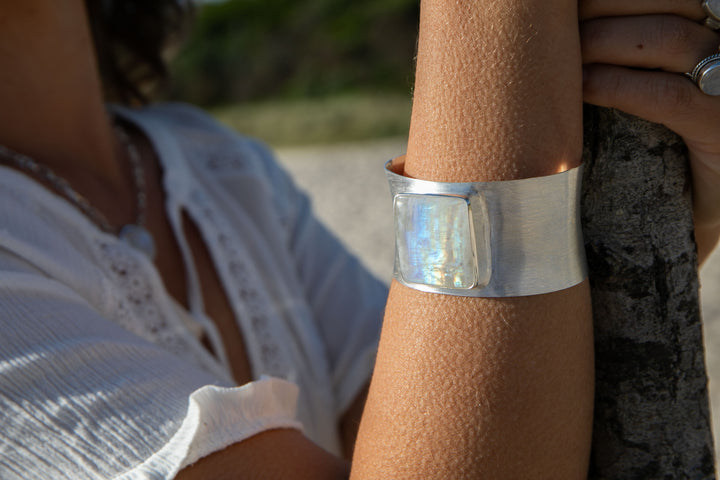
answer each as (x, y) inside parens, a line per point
(134, 234)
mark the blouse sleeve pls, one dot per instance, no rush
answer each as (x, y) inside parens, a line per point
(82, 398)
(347, 301)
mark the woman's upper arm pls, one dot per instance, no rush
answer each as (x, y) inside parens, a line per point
(273, 454)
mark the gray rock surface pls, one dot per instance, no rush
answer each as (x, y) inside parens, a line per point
(651, 404)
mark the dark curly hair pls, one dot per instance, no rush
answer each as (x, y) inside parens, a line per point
(131, 39)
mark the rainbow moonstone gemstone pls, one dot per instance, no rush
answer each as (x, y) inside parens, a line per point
(435, 241)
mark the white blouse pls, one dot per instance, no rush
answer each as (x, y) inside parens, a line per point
(103, 375)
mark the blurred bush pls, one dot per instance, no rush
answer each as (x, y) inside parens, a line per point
(244, 50)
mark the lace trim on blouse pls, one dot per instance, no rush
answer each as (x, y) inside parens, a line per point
(251, 305)
(143, 312)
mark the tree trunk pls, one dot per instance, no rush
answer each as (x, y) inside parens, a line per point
(652, 416)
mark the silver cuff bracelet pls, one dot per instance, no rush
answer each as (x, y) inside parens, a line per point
(488, 239)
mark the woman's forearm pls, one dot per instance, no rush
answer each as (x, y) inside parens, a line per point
(487, 388)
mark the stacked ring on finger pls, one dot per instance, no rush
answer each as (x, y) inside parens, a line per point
(706, 75)
(712, 9)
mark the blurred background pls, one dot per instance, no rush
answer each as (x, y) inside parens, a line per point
(295, 73)
(328, 85)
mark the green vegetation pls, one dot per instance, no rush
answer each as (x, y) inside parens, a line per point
(249, 50)
(317, 121)
(295, 73)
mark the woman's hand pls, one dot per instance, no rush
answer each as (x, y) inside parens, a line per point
(635, 55)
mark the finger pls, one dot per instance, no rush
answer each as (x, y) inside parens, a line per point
(691, 9)
(667, 42)
(659, 97)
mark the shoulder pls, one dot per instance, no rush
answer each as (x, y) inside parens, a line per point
(205, 142)
(199, 150)
(185, 115)
(215, 151)
(189, 122)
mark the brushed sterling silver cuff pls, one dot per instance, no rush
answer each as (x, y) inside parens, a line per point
(488, 239)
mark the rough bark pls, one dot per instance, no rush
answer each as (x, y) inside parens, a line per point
(651, 408)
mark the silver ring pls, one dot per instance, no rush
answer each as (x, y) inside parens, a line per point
(712, 9)
(706, 75)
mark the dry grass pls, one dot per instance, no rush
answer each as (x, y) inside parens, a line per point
(321, 121)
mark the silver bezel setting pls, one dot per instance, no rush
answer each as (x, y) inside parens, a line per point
(458, 258)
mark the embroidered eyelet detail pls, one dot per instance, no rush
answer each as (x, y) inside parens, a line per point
(252, 306)
(139, 307)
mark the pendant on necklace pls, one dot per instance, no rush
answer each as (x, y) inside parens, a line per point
(139, 238)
